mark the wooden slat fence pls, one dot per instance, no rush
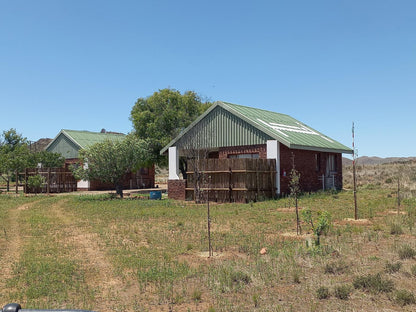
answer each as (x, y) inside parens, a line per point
(231, 180)
(57, 180)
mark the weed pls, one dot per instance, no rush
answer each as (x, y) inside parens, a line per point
(404, 297)
(406, 252)
(393, 267)
(256, 300)
(322, 293)
(396, 229)
(413, 270)
(373, 283)
(296, 277)
(197, 295)
(336, 267)
(342, 292)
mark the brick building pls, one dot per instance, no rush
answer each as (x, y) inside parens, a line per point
(233, 131)
(69, 142)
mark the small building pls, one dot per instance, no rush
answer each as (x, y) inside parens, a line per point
(230, 131)
(68, 143)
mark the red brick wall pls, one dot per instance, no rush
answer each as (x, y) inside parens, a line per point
(176, 189)
(232, 150)
(305, 164)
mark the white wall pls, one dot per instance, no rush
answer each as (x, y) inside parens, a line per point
(273, 152)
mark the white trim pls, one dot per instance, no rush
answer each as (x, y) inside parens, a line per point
(173, 163)
(273, 152)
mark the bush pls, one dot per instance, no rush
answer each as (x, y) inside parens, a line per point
(374, 283)
(404, 297)
(396, 229)
(413, 270)
(342, 292)
(335, 267)
(393, 267)
(406, 252)
(322, 293)
(197, 295)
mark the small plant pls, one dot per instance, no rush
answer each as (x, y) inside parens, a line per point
(197, 295)
(322, 224)
(211, 309)
(396, 229)
(393, 267)
(35, 182)
(373, 283)
(413, 270)
(342, 292)
(189, 247)
(322, 293)
(406, 252)
(256, 300)
(404, 297)
(296, 277)
(335, 267)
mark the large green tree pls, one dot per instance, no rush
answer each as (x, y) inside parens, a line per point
(109, 161)
(163, 115)
(14, 154)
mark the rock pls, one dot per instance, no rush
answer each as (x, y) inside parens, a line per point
(263, 251)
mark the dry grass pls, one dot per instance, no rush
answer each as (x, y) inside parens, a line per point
(139, 255)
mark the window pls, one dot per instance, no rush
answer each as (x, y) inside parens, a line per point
(332, 163)
(318, 162)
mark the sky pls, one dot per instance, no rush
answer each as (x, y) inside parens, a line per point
(82, 64)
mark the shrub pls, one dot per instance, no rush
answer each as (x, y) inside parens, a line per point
(396, 229)
(322, 293)
(374, 283)
(406, 252)
(393, 267)
(413, 270)
(404, 297)
(335, 267)
(197, 295)
(342, 292)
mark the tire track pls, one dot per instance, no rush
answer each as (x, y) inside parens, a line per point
(110, 290)
(14, 243)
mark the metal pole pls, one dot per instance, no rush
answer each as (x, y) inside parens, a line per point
(354, 177)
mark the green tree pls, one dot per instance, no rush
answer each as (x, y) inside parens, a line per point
(14, 154)
(47, 159)
(109, 161)
(163, 115)
(35, 182)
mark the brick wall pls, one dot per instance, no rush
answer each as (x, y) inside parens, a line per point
(310, 164)
(176, 189)
(233, 150)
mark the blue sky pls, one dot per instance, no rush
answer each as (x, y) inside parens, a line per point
(82, 64)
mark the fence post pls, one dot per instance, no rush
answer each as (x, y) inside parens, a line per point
(17, 181)
(48, 186)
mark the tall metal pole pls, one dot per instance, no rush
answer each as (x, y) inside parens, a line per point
(354, 177)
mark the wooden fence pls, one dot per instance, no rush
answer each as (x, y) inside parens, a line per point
(231, 180)
(57, 180)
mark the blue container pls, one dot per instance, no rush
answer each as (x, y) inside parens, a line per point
(156, 195)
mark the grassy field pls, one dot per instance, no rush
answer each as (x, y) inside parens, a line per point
(91, 252)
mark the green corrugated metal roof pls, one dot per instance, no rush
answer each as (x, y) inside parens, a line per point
(86, 138)
(272, 125)
(69, 142)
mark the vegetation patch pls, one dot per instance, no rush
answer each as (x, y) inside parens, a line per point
(373, 283)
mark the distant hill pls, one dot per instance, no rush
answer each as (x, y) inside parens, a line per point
(40, 145)
(365, 160)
